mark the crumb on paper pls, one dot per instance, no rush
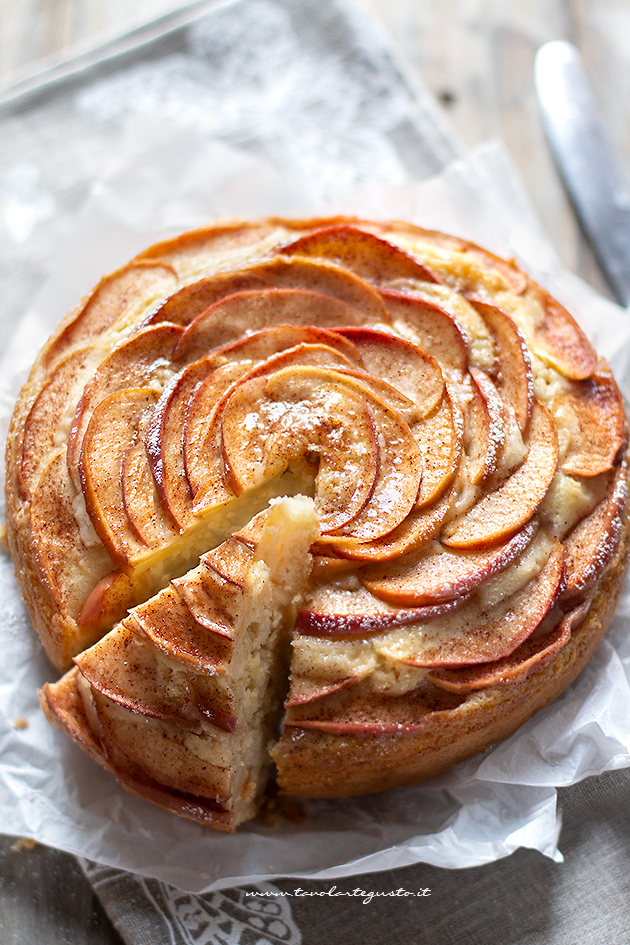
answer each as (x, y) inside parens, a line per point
(4, 544)
(20, 723)
(24, 843)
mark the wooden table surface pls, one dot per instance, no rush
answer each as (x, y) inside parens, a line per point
(477, 57)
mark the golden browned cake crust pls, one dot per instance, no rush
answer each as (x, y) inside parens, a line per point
(466, 455)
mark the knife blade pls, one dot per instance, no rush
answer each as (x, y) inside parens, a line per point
(585, 160)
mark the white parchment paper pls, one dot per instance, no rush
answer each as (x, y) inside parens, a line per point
(166, 180)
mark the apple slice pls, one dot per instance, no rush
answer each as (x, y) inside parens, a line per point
(483, 629)
(231, 318)
(402, 364)
(212, 600)
(106, 604)
(141, 361)
(370, 257)
(420, 578)
(149, 748)
(319, 276)
(537, 650)
(67, 568)
(560, 341)
(233, 557)
(207, 469)
(111, 430)
(264, 344)
(485, 429)
(303, 414)
(590, 546)
(321, 666)
(419, 526)
(440, 438)
(435, 329)
(131, 672)
(184, 306)
(63, 389)
(515, 381)
(282, 273)
(112, 301)
(179, 418)
(141, 503)
(64, 705)
(337, 612)
(360, 711)
(500, 514)
(598, 425)
(169, 624)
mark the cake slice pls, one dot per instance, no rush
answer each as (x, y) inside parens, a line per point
(182, 699)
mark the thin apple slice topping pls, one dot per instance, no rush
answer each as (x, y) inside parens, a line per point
(485, 428)
(323, 665)
(64, 388)
(179, 418)
(435, 329)
(169, 624)
(339, 612)
(501, 513)
(141, 361)
(204, 456)
(114, 426)
(319, 276)
(370, 257)
(535, 652)
(265, 344)
(229, 319)
(492, 623)
(115, 300)
(130, 671)
(141, 503)
(106, 604)
(359, 711)
(560, 341)
(213, 600)
(515, 380)
(597, 425)
(420, 526)
(591, 544)
(417, 579)
(67, 567)
(402, 364)
(144, 749)
(184, 306)
(440, 438)
(281, 273)
(126, 669)
(303, 415)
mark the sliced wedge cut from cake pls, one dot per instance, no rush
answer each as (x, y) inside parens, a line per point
(182, 698)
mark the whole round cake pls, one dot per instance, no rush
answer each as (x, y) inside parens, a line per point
(346, 498)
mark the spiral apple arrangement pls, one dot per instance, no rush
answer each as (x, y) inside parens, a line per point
(463, 445)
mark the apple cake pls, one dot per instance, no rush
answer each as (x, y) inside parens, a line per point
(333, 501)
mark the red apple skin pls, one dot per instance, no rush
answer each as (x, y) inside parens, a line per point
(500, 514)
(436, 329)
(591, 544)
(515, 380)
(537, 650)
(370, 257)
(560, 340)
(359, 711)
(418, 580)
(602, 434)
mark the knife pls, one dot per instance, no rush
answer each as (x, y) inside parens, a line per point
(584, 159)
